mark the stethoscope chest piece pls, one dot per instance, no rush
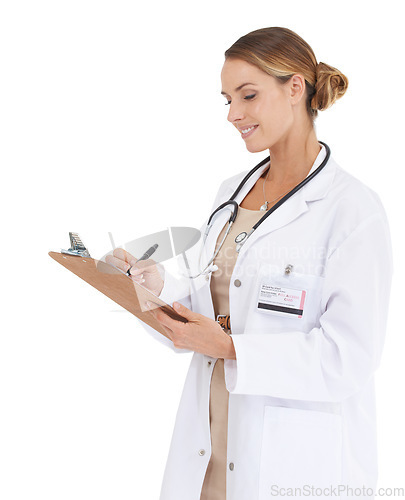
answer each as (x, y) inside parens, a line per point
(241, 237)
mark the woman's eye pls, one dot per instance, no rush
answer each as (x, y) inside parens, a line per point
(246, 97)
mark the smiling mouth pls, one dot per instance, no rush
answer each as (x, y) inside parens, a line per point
(248, 131)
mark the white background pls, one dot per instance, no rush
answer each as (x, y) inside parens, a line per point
(112, 120)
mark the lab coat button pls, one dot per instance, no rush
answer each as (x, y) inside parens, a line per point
(237, 283)
(231, 466)
(288, 269)
(201, 452)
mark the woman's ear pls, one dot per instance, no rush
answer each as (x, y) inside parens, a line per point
(297, 88)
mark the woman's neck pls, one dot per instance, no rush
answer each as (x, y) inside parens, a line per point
(292, 159)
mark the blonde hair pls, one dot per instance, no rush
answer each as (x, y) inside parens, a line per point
(281, 53)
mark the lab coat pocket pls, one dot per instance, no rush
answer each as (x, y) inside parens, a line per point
(287, 301)
(300, 449)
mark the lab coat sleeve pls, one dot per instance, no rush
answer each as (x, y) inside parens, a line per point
(174, 289)
(178, 289)
(335, 360)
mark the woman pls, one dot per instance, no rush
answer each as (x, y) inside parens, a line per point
(280, 391)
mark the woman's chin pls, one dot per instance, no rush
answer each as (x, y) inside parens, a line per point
(255, 148)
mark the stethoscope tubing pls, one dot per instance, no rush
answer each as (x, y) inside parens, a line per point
(235, 206)
(295, 189)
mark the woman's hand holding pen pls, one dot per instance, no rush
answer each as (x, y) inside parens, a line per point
(199, 334)
(145, 272)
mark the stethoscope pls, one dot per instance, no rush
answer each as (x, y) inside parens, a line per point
(241, 238)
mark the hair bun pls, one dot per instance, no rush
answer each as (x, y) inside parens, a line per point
(330, 85)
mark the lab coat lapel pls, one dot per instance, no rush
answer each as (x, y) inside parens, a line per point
(294, 207)
(298, 204)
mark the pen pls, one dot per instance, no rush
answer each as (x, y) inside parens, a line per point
(145, 256)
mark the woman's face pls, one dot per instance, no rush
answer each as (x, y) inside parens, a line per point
(263, 103)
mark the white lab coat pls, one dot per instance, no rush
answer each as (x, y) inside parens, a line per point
(301, 405)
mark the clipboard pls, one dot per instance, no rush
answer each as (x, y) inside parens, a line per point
(117, 286)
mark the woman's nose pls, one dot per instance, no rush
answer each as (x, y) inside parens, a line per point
(235, 113)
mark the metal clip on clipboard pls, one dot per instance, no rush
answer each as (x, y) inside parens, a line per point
(76, 246)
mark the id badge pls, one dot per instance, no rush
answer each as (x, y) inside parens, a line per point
(280, 300)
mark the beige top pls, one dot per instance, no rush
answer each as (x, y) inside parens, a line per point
(214, 487)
